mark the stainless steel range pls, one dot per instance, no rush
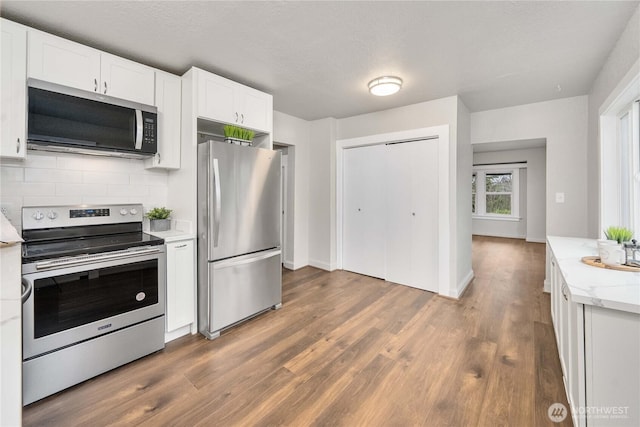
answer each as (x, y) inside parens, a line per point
(96, 293)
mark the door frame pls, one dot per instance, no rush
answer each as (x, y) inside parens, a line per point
(446, 198)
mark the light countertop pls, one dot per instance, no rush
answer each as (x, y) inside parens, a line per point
(602, 287)
(172, 235)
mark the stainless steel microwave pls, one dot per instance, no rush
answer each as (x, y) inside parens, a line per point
(61, 118)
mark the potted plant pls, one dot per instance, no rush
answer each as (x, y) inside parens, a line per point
(619, 234)
(159, 219)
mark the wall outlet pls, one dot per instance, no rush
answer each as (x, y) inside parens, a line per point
(559, 197)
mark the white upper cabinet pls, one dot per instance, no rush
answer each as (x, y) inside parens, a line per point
(13, 90)
(226, 101)
(169, 102)
(71, 64)
(127, 80)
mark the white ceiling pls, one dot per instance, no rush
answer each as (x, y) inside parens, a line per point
(317, 57)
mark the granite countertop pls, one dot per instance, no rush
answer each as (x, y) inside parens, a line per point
(602, 287)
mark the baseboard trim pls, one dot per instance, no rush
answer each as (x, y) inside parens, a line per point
(536, 240)
(321, 265)
(461, 288)
(547, 286)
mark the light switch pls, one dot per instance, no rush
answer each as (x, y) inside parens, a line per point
(559, 197)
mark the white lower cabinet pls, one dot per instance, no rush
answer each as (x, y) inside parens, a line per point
(599, 350)
(181, 284)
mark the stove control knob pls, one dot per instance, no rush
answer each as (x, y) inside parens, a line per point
(123, 212)
(52, 215)
(37, 215)
(133, 211)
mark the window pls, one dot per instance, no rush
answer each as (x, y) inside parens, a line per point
(498, 188)
(495, 191)
(473, 192)
(628, 124)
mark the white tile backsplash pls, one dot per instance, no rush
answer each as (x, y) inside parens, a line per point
(47, 178)
(92, 177)
(51, 175)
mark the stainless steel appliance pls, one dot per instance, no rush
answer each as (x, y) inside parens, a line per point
(239, 267)
(68, 119)
(94, 297)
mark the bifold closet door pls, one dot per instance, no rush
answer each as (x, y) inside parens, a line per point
(363, 242)
(412, 214)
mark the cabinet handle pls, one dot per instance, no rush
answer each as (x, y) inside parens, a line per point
(563, 294)
(95, 85)
(105, 88)
(159, 159)
(184, 245)
(18, 146)
(241, 118)
(236, 117)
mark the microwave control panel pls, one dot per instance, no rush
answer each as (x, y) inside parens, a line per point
(149, 130)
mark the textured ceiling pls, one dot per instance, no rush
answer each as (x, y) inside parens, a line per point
(317, 57)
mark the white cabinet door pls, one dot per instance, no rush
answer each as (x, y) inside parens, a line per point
(364, 210)
(169, 102)
(64, 62)
(13, 90)
(223, 100)
(127, 79)
(612, 354)
(412, 214)
(180, 284)
(61, 61)
(216, 98)
(254, 109)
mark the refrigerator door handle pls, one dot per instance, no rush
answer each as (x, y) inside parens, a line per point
(218, 209)
(247, 259)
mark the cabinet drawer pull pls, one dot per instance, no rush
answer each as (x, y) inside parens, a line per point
(181, 246)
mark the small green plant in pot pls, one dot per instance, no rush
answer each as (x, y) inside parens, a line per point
(619, 234)
(159, 219)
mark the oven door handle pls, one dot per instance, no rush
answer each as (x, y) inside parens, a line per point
(88, 259)
(28, 287)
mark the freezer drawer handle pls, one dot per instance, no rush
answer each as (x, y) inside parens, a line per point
(233, 262)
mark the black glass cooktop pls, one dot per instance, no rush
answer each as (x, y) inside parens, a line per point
(39, 247)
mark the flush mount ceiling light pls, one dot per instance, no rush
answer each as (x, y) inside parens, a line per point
(383, 86)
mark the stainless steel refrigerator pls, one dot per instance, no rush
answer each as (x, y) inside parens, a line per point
(239, 211)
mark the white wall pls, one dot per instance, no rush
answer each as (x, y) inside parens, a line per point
(563, 123)
(532, 196)
(461, 229)
(295, 132)
(46, 178)
(322, 197)
(622, 58)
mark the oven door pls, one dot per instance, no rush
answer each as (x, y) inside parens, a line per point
(79, 302)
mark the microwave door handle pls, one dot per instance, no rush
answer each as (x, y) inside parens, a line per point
(139, 127)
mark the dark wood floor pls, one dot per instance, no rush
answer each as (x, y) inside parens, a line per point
(350, 350)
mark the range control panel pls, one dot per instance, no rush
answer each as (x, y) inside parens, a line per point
(37, 217)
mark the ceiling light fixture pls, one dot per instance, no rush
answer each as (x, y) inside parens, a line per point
(383, 86)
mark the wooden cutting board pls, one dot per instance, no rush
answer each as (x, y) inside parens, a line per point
(595, 261)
